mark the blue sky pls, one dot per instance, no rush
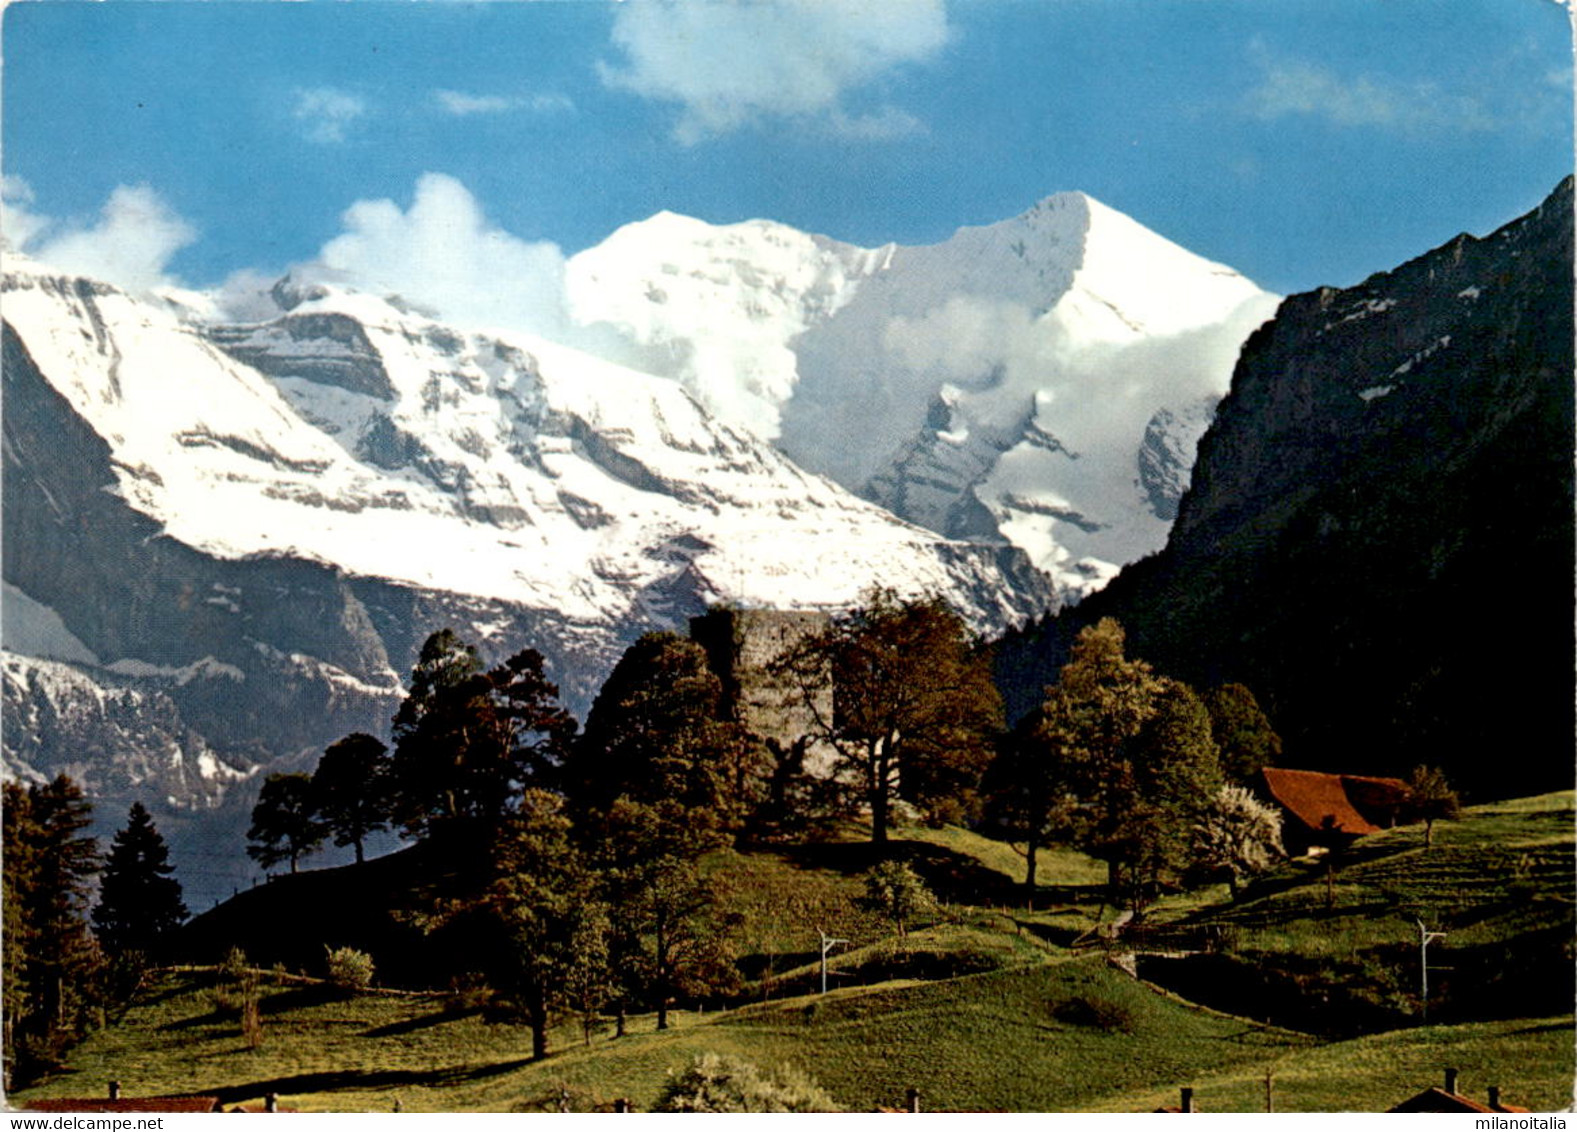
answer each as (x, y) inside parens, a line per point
(1304, 142)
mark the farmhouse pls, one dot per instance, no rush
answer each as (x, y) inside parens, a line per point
(1446, 1099)
(1325, 810)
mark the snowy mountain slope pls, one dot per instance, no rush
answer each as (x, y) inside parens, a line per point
(112, 736)
(1004, 384)
(500, 467)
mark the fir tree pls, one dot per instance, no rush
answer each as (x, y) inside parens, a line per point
(139, 897)
(52, 962)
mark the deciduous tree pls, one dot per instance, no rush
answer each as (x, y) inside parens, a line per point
(285, 823)
(1238, 835)
(1430, 799)
(1243, 734)
(467, 740)
(915, 712)
(352, 790)
(1134, 754)
(654, 739)
(896, 893)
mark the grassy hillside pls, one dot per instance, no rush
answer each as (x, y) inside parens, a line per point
(982, 1007)
(785, 895)
(1339, 953)
(1076, 1034)
(1049, 1036)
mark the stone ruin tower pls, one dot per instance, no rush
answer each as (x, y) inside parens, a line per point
(741, 646)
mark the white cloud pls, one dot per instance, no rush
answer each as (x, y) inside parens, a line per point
(727, 65)
(19, 224)
(327, 113)
(129, 244)
(443, 254)
(463, 105)
(1293, 88)
(1095, 396)
(883, 125)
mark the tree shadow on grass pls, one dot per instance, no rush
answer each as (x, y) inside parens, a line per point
(345, 1080)
(426, 1021)
(298, 998)
(951, 875)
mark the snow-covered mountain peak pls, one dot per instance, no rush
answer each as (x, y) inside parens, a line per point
(1062, 331)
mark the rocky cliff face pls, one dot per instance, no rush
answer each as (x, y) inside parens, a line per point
(1378, 538)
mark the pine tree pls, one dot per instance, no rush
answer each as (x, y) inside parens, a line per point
(285, 824)
(139, 897)
(49, 866)
(351, 789)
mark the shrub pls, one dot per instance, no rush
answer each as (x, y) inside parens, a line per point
(234, 968)
(894, 891)
(1097, 1013)
(235, 992)
(466, 993)
(714, 1083)
(349, 969)
(252, 1022)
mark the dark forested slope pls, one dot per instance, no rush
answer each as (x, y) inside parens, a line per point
(1378, 539)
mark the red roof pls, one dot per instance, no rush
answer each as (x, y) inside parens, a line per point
(124, 1104)
(1378, 799)
(1312, 797)
(1436, 1099)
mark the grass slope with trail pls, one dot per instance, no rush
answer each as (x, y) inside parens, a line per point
(981, 1007)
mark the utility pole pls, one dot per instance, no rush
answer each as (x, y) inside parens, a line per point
(1425, 938)
(827, 944)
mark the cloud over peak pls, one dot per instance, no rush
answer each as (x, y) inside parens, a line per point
(727, 65)
(444, 254)
(129, 244)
